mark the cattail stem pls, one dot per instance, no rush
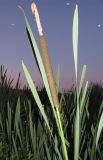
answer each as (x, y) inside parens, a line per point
(46, 59)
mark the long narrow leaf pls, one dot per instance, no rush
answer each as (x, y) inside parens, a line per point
(82, 78)
(76, 132)
(75, 52)
(62, 136)
(100, 127)
(35, 94)
(83, 97)
(75, 39)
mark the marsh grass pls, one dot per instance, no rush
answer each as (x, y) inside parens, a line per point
(24, 133)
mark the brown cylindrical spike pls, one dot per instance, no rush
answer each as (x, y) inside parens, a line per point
(49, 71)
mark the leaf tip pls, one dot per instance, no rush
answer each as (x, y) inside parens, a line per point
(76, 7)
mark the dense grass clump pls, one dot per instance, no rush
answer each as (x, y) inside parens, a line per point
(24, 135)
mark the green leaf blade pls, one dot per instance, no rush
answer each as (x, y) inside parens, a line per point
(75, 39)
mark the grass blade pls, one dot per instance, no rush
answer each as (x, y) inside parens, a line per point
(47, 149)
(76, 132)
(82, 78)
(75, 39)
(75, 51)
(17, 114)
(15, 148)
(83, 98)
(62, 136)
(100, 127)
(35, 94)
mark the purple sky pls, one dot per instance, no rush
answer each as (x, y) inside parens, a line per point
(56, 17)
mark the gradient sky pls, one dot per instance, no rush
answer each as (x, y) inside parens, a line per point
(56, 18)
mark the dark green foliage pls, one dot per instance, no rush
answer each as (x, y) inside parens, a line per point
(23, 133)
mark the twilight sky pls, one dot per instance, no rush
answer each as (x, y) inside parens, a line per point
(56, 18)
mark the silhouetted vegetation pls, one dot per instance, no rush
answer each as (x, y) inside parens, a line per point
(11, 134)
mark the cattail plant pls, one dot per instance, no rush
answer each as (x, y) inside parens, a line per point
(78, 113)
(45, 56)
